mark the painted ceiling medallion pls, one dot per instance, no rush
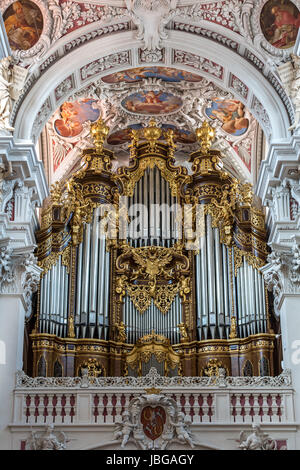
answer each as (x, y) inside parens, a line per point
(152, 103)
(73, 115)
(231, 113)
(280, 22)
(23, 22)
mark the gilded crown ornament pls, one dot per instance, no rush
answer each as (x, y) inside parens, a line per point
(99, 132)
(205, 134)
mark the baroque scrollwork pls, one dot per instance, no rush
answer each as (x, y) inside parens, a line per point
(151, 17)
(152, 264)
(19, 274)
(153, 379)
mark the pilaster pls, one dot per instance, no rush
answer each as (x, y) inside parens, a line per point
(19, 279)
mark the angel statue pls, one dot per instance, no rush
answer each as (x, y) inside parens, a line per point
(256, 440)
(183, 333)
(48, 440)
(6, 84)
(124, 428)
(121, 332)
(182, 429)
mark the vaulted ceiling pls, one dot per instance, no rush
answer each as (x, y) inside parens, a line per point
(177, 61)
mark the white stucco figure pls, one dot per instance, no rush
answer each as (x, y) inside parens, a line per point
(183, 433)
(256, 440)
(124, 429)
(289, 73)
(5, 93)
(48, 440)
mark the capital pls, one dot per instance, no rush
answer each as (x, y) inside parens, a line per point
(19, 272)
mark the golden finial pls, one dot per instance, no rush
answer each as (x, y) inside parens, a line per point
(99, 132)
(205, 134)
(152, 133)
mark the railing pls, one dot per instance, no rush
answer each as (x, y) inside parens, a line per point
(87, 401)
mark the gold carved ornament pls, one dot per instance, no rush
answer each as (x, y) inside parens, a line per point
(99, 132)
(161, 156)
(153, 266)
(120, 329)
(184, 337)
(233, 328)
(153, 345)
(212, 368)
(93, 367)
(205, 135)
(152, 134)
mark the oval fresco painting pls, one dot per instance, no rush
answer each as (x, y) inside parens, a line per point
(137, 74)
(124, 135)
(232, 115)
(152, 102)
(279, 22)
(74, 114)
(23, 22)
(181, 135)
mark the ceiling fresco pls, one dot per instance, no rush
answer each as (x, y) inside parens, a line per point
(164, 73)
(127, 100)
(152, 103)
(74, 114)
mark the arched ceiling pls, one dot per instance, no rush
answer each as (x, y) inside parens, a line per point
(86, 53)
(128, 99)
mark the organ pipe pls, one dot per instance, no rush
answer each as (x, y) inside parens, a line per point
(218, 291)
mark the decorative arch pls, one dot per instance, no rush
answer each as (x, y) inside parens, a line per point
(181, 50)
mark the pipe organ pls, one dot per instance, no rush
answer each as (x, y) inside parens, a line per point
(152, 264)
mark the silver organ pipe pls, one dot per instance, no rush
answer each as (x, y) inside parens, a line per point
(141, 324)
(54, 300)
(93, 280)
(92, 289)
(152, 193)
(218, 295)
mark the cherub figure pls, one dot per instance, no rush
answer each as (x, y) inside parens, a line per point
(182, 431)
(121, 332)
(183, 333)
(124, 429)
